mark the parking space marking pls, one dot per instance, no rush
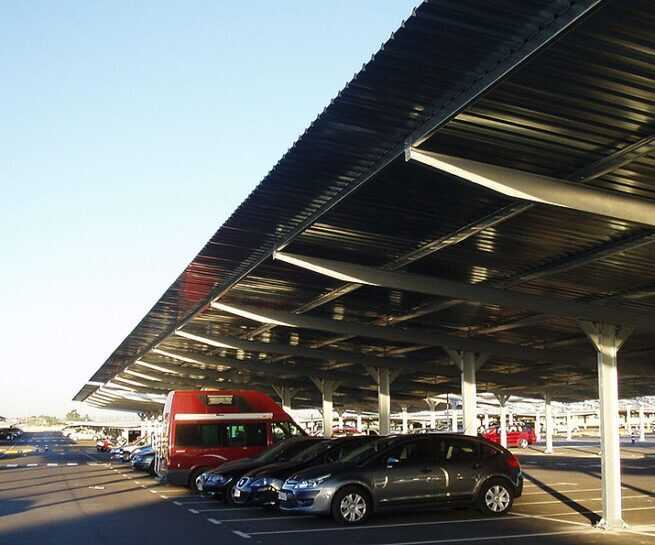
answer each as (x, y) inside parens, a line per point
(283, 517)
(577, 491)
(241, 534)
(574, 500)
(377, 526)
(492, 538)
(194, 511)
(214, 521)
(227, 509)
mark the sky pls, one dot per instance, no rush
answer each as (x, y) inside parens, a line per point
(129, 131)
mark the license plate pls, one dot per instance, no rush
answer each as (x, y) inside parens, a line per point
(237, 493)
(282, 496)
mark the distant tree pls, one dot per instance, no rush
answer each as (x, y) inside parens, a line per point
(73, 415)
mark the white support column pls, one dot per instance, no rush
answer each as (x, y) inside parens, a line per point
(549, 424)
(608, 339)
(432, 403)
(642, 424)
(510, 418)
(286, 395)
(453, 417)
(327, 389)
(405, 420)
(485, 421)
(468, 363)
(383, 378)
(537, 426)
(569, 426)
(359, 422)
(502, 401)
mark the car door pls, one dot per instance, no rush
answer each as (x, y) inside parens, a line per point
(408, 473)
(461, 461)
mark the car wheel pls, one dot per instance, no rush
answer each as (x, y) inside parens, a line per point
(496, 497)
(523, 443)
(192, 480)
(228, 499)
(351, 505)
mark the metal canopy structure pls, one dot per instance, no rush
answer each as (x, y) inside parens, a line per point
(471, 213)
(551, 90)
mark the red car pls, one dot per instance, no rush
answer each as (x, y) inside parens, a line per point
(517, 436)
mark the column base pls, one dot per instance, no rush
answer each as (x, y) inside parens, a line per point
(603, 524)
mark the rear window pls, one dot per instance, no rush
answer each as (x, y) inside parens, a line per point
(212, 435)
(461, 450)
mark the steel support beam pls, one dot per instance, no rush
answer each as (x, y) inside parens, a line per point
(548, 413)
(537, 426)
(502, 401)
(383, 377)
(327, 389)
(405, 419)
(468, 363)
(403, 336)
(642, 424)
(286, 394)
(541, 189)
(471, 292)
(607, 340)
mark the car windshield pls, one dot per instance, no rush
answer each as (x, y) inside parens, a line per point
(312, 452)
(285, 450)
(367, 450)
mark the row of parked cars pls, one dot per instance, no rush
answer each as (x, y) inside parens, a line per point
(241, 447)
(350, 478)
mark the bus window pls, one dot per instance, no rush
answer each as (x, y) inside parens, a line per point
(198, 435)
(285, 430)
(246, 435)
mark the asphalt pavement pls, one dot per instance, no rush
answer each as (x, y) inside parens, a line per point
(70, 495)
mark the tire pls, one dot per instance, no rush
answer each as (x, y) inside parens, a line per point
(496, 497)
(351, 505)
(192, 479)
(523, 443)
(227, 495)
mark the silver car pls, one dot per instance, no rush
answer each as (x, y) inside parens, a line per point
(410, 470)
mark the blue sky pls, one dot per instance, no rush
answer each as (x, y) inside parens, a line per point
(129, 132)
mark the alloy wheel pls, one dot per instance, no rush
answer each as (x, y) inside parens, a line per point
(497, 498)
(353, 507)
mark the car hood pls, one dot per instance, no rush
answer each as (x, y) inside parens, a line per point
(280, 470)
(324, 469)
(235, 466)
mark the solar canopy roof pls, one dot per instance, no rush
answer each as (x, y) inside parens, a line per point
(558, 89)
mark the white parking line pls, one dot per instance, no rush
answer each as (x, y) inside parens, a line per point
(377, 526)
(562, 491)
(251, 519)
(571, 500)
(214, 521)
(194, 511)
(492, 538)
(224, 509)
(52, 465)
(241, 534)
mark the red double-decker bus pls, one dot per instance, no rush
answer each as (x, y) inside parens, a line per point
(204, 428)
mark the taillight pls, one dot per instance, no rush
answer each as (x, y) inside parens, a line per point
(513, 462)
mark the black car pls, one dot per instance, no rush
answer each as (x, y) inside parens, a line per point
(143, 459)
(415, 470)
(261, 486)
(219, 482)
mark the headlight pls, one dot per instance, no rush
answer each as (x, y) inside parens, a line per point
(219, 478)
(313, 483)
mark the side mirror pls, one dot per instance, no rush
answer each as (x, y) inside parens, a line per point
(391, 461)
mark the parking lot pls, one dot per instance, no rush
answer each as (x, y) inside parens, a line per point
(71, 494)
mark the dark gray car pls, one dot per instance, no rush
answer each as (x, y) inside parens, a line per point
(410, 470)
